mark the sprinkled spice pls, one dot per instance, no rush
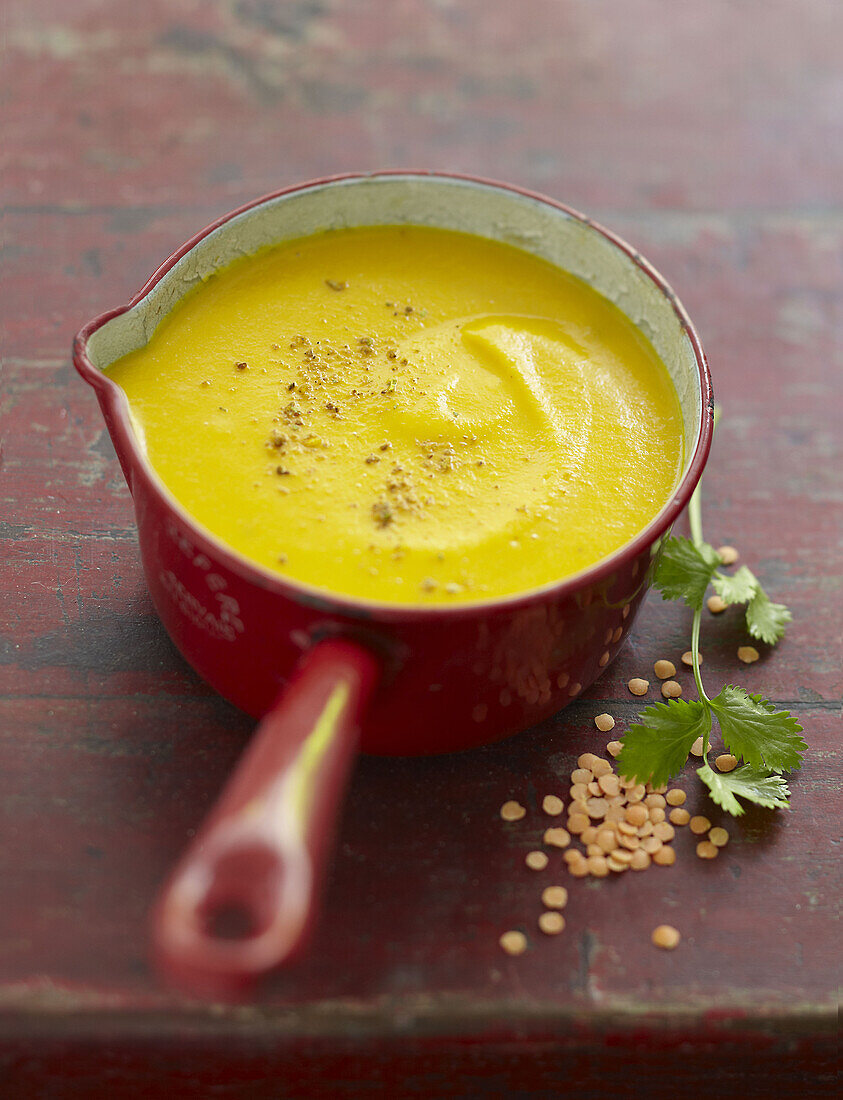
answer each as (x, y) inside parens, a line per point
(382, 513)
(242, 366)
(335, 284)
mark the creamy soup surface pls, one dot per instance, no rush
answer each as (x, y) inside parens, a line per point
(408, 415)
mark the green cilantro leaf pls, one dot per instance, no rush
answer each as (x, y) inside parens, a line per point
(764, 619)
(754, 784)
(740, 587)
(657, 749)
(684, 571)
(753, 729)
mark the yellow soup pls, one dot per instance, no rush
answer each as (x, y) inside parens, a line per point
(406, 414)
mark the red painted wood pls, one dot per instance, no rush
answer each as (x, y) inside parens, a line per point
(710, 137)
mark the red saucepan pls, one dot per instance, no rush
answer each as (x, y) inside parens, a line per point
(326, 674)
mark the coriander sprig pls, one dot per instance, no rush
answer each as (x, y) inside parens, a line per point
(657, 747)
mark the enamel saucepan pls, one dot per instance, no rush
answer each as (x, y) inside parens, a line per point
(327, 675)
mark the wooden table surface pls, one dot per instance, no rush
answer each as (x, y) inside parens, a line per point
(707, 134)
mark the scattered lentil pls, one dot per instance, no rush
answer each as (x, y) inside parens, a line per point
(728, 554)
(596, 808)
(679, 816)
(719, 837)
(675, 797)
(748, 654)
(601, 767)
(726, 762)
(666, 937)
(688, 658)
(671, 689)
(616, 865)
(664, 831)
(604, 722)
(586, 760)
(554, 897)
(640, 860)
(581, 775)
(551, 923)
(664, 669)
(579, 869)
(698, 747)
(536, 861)
(609, 784)
(655, 800)
(552, 805)
(638, 686)
(651, 845)
(589, 835)
(657, 815)
(665, 856)
(707, 850)
(597, 866)
(557, 838)
(716, 605)
(614, 748)
(699, 824)
(512, 811)
(513, 943)
(606, 840)
(636, 814)
(577, 823)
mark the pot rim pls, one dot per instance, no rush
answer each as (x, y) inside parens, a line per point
(375, 610)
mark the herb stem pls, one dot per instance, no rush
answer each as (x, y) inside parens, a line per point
(695, 654)
(695, 521)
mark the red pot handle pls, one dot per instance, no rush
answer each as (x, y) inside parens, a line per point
(243, 897)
